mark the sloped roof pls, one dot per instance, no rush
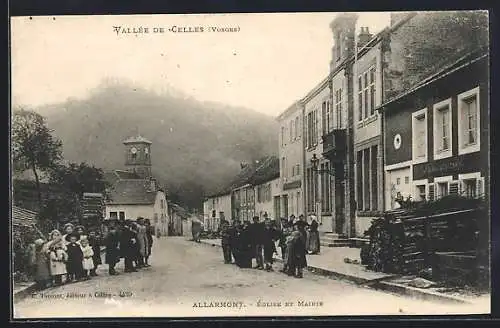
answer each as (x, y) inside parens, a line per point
(23, 217)
(263, 170)
(113, 176)
(132, 192)
(122, 174)
(267, 171)
(136, 139)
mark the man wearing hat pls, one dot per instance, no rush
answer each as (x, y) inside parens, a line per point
(225, 241)
(246, 251)
(112, 250)
(297, 255)
(234, 233)
(257, 235)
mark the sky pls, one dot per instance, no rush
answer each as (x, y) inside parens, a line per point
(268, 63)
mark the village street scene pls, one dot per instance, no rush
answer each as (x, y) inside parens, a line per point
(362, 189)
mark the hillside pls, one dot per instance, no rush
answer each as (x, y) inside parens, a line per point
(197, 147)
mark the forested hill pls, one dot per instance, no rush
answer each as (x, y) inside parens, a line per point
(197, 146)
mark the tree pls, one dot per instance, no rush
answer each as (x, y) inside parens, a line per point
(71, 181)
(33, 146)
(79, 178)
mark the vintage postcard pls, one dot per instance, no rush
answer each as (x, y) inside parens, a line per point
(239, 165)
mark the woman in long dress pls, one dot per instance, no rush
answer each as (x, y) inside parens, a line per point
(313, 245)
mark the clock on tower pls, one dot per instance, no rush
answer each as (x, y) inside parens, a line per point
(138, 155)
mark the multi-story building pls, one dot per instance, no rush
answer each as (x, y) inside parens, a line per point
(317, 187)
(437, 135)
(347, 180)
(335, 175)
(368, 149)
(436, 112)
(291, 157)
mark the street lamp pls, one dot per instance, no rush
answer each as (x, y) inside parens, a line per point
(314, 163)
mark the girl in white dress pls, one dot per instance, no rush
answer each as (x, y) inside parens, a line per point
(58, 257)
(88, 253)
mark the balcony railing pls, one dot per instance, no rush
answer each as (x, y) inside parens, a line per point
(334, 144)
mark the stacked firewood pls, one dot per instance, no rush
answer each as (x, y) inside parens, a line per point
(403, 241)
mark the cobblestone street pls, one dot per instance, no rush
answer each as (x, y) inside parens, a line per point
(186, 279)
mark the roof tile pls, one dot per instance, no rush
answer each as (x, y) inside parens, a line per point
(132, 192)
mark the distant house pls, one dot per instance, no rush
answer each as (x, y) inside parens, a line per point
(177, 215)
(216, 207)
(134, 192)
(267, 188)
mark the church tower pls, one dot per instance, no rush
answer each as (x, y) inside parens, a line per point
(138, 156)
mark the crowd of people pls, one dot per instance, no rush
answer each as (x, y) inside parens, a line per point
(245, 241)
(75, 254)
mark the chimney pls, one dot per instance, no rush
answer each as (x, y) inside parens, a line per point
(364, 37)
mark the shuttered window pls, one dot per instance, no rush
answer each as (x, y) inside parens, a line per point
(454, 188)
(431, 192)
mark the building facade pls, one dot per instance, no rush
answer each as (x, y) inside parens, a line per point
(368, 148)
(317, 186)
(291, 162)
(215, 208)
(437, 135)
(336, 176)
(266, 193)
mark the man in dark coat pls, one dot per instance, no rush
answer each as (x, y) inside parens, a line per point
(245, 246)
(149, 235)
(234, 239)
(127, 247)
(225, 241)
(112, 249)
(256, 230)
(297, 255)
(95, 243)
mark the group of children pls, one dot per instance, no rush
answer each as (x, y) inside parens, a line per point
(73, 256)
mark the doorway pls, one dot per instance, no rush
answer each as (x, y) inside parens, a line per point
(339, 206)
(285, 206)
(399, 183)
(277, 207)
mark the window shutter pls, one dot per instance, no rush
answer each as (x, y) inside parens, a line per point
(453, 187)
(432, 188)
(480, 187)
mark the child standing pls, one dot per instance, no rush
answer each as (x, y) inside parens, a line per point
(75, 259)
(88, 261)
(58, 257)
(95, 243)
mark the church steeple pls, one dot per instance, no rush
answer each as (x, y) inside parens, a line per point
(138, 155)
